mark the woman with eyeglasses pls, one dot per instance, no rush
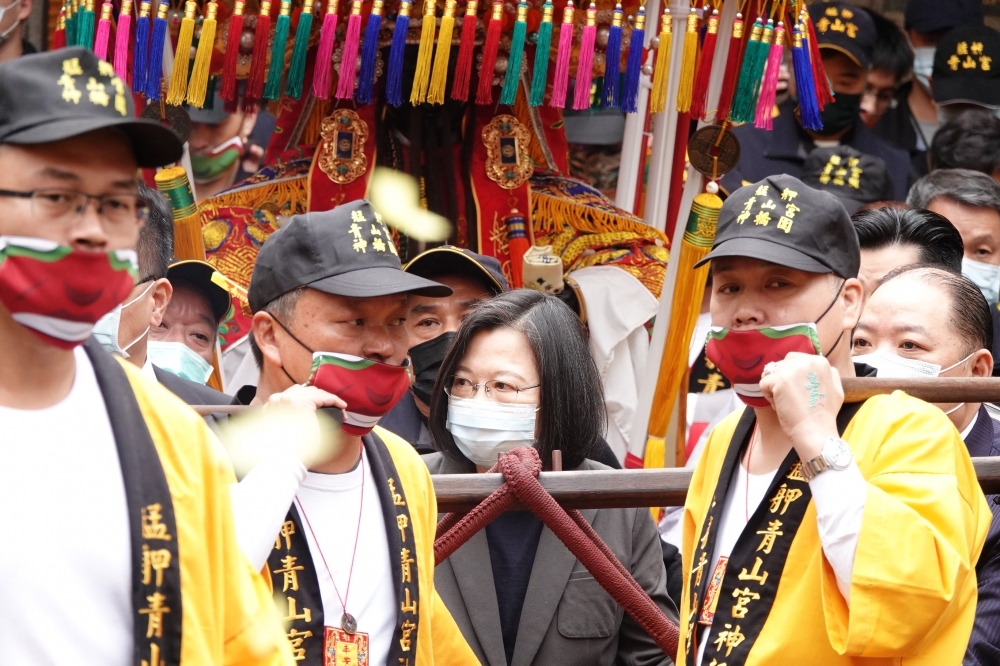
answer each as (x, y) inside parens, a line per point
(520, 373)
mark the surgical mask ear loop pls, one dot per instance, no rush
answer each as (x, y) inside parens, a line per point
(124, 350)
(955, 365)
(839, 337)
(293, 336)
(954, 409)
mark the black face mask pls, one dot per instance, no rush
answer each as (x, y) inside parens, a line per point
(427, 358)
(840, 114)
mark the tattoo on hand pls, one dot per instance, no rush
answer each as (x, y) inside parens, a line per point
(815, 395)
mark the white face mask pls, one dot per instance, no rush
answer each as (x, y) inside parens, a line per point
(923, 65)
(891, 365)
(986, 277)
(179, 359)
(484, 429)
(4, 10)
(106, 328)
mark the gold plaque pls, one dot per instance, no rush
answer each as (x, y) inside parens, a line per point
(507, 161)
(342, 148)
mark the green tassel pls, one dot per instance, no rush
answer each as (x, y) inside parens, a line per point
(513, 75)
(85, 29)
(297, 70)
(272, 90)
(70, 29)
(754, 61)
(539, 77)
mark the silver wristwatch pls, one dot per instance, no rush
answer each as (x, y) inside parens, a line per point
(836, 454)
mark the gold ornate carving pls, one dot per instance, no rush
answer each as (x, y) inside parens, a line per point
(342, 155)
(508, 163)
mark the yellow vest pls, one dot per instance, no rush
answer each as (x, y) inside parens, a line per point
(913, 588)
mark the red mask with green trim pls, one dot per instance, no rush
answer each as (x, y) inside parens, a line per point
(369, 388)
(59, 293)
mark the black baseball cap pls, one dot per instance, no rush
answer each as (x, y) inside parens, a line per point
(784, 221)
(56, 95)
(853, 177)
(934, 15)
(201, 275)
(967, 67)
(451, 260)
(845, 28)
(347, 251)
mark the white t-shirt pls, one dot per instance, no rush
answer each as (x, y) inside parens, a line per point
(331, 503)
(65, 549)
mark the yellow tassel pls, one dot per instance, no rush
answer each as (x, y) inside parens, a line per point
(697, 242)
(439, 78)
(421, 78)
(182, 56)
(198, 86)
(661, 74)
(685, 86)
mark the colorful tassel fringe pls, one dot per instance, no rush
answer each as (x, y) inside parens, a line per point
(484, 92)
(85, 26)
(439, 76)
(272, 90)
(71, 17)
(700, 92)
(425, 52)
(122, 35)
(297, 68)
(198, 85)
(804, 84)
(768, 89)
(369, 47)
(154, 74)
(324, 52)
(103, 32)
(685, 87)
(349, 54)
(585, 61)
(612, 59)
(824, 93)
(560, 82)
(540, 73)
(733, 57)
(228, 91)
(258, 60)
(140, 61)
(754, 60)
(463, 66)
(633, 68)
(661, 71)
(394, 80)
(177, 90)
(513, 75)
(59, 36)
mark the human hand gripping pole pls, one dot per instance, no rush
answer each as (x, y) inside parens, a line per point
(806, 393)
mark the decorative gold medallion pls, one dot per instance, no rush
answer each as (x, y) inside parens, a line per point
(507, 161)
(342, 149)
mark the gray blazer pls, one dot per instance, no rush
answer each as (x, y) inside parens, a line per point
(567, 618)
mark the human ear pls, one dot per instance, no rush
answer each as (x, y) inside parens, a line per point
(263, 330)
(982, 363)
(161, 293)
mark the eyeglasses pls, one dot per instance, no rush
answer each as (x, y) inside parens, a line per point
(67, 206)
(496, 390)
(885, 98)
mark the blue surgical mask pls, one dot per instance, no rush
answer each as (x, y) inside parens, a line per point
(986, 277)
(179, 359)
(106, 328)
(483, 429)
(923, 65)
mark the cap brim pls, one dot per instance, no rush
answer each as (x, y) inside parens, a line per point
(857, 55)
(758, 248)
(200, 273)
(449, 261)
(379, 281)
(152, 144)
(956, 91)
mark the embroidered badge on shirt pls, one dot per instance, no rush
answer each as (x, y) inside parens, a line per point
(343, 649)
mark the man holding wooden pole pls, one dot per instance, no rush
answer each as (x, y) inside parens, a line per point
(816, 531)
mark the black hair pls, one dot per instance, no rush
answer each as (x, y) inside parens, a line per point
(283, 307)
(970, 315)
(937, 239)
(571, 412)
(155, 245)
(971, 140)
(892, 51)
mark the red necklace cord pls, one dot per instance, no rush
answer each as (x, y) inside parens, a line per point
(350, 572)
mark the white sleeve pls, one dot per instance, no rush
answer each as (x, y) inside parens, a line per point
(839, 496)
(261, 502)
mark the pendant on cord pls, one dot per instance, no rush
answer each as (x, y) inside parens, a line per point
(344, 647)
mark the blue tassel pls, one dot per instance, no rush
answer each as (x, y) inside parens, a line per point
(612, 60)
(394, 80)
(155, 72)
(366, 79)
(633, 68)
(804, 84)
(141, 54)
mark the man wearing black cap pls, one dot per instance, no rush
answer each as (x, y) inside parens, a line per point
(431, 324)
(130, 533)
(853, 177)
(218, 142)
(799, 506)
(846, 38)
(356, 530)
(967, 71)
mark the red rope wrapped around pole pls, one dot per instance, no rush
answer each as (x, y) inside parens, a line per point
(520, 468)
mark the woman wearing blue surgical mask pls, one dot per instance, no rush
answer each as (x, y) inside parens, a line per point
(519, 373)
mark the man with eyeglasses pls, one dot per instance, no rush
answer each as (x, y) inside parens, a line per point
(354, 525)
(112, 490)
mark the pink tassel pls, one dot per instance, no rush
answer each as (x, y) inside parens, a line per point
(349, 60)
(324, 52)
(122, 40)
(585, 63)
(768, 91)
(103, 32)
(560, 81)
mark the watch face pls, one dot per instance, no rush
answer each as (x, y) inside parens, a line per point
(838, 454)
